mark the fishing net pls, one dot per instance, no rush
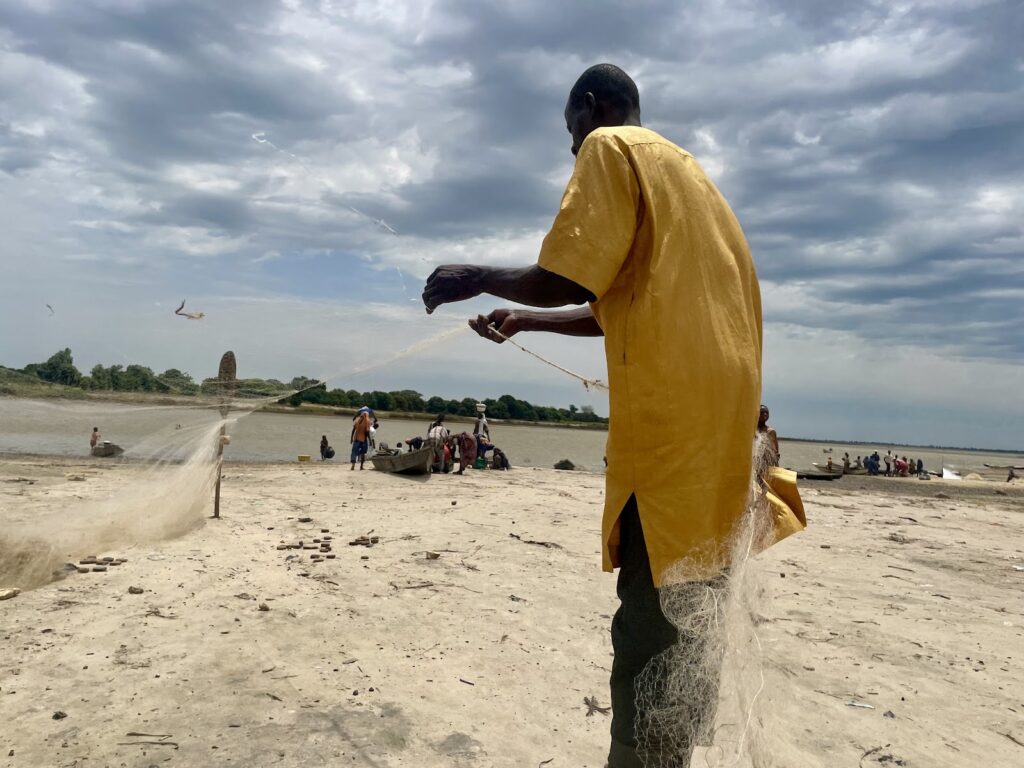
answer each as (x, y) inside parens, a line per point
(167, 444)
(708, 690)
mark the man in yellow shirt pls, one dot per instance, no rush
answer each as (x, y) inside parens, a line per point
(648, 242)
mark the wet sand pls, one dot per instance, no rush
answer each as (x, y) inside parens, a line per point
(894, 633)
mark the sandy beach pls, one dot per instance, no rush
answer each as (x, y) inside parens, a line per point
(471, 631)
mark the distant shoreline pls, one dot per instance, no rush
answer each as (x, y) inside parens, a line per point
(306, 409)
(883, 443)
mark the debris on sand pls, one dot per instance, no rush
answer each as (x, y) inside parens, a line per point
(565, 464)
(8, 592)
(593, 706)
(546, 544)
(364, 541)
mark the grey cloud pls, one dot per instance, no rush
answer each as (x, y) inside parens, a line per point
(872, 152)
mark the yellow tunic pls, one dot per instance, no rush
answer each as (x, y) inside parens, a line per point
(644, 230)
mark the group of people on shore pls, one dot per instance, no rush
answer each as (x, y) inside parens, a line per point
(470, 450)
(448, 446)
(895, 466)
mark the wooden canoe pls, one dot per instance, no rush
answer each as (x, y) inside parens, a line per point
(815, 475)
(411, 463)
(837, 469)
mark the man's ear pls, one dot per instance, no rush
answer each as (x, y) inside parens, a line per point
(591, 101)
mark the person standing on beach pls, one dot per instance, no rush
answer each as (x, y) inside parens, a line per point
(373, 434)
(649, 243)
(360, 438)
(94, 438)
(324, 446)
(467, 451)
(482, 429)
(772, 454)
(888, 463)
(437, 438)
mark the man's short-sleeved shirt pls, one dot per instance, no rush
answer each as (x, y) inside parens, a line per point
(676, 294)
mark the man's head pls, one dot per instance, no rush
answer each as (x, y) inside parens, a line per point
(762, 418)
(95, 429)
(604, 96)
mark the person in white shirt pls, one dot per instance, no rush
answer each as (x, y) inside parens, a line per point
(437, 436)
(482, 429)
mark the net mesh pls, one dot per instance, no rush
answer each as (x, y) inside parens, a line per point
(706, 693)
(174, 441)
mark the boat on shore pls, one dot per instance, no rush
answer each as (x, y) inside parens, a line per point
(106, 449)
(412, 463)
(835, 469)
(818, 475)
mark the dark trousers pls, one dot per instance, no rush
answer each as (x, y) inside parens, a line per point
(640, 632)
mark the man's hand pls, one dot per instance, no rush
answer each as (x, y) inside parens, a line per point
(452, 282)
(505, 320)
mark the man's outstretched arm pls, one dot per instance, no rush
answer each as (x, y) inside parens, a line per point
(509, 322)
(533, 286)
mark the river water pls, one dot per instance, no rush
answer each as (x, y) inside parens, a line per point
(63, 428)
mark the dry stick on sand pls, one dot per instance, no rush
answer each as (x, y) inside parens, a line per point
(548, 544)
(1015, 740)
(161, 740)
(412, 586)
(156, 612)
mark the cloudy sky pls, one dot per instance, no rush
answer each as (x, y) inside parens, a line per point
(237, 154)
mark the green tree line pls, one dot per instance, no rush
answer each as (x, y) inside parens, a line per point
(409, 401)
(60, 369)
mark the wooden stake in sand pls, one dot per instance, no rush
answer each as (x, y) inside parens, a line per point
(226, 383)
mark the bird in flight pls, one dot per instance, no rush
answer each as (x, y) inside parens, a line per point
(189, 315)
(52, 313)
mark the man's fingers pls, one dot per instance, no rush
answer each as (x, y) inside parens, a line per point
(431, 299)
(430, 291)
(482, 325)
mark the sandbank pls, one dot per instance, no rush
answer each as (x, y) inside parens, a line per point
(894, 632)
